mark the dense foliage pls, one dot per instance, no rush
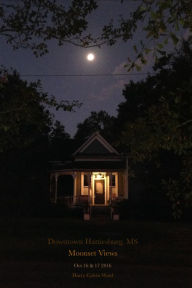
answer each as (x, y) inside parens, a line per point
(98, 121)
(31, 24)
(26, 129)
(156, 121)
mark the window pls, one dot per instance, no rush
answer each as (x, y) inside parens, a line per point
(113, 180)
(85, 184)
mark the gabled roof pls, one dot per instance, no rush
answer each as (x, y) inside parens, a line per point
(96, 144)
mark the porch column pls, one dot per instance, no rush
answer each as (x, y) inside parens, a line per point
(74, 188)
(56, 179)
(89, 187)
(110, 187)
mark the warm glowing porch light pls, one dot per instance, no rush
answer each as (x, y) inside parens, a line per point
(99, 176)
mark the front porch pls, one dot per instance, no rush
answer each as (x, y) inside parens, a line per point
(95, 188)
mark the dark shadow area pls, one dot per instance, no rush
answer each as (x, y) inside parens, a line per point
(65, 186)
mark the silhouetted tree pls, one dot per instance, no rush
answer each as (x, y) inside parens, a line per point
(156, 123)
(61, 146)
(98, 121)
(25, 123)
(31, 24)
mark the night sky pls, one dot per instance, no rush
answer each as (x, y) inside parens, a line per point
(95, 92)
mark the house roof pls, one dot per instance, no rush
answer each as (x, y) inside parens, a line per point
(95, 154)
(88, 165)
(96, 144)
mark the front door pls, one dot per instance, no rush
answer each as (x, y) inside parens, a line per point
(99, 192)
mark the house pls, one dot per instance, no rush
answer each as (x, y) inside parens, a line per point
(97, 175)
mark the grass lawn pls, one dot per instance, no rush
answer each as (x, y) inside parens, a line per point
(162, 256)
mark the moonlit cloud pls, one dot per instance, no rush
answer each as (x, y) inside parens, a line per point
(120, 68)
(114, 89)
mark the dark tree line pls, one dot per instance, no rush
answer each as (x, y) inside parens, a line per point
(156, 121)
(27, 133)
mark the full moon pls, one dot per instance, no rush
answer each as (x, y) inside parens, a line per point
(90, 57)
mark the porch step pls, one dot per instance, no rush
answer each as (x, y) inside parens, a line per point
(100, 212)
